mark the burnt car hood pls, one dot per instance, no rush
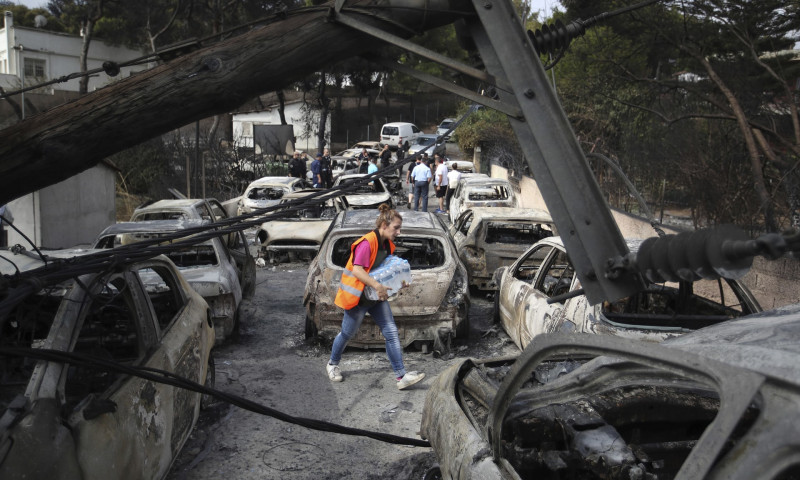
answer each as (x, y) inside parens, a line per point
(749, 368)
(306, 229)
(359, 200)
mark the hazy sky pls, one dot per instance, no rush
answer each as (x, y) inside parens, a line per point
(544, 5)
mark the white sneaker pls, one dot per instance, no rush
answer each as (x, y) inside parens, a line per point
(410, 378)
(334, 373)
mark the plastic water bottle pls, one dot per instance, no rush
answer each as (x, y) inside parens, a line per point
(393, 273)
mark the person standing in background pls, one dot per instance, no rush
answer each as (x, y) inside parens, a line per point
(453, 176)
(327, 166)
(440, 181)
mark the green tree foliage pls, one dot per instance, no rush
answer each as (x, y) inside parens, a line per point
(26, 17)
(683, 84)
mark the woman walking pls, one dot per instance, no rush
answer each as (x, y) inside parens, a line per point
(365, 253)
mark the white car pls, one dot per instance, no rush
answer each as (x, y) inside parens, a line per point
(396, 133)
(367, 195)
(444, 127)
(222, 275)
(481, 191)
(428, 143)
(267, 191)
(526, 305)
(463, 166)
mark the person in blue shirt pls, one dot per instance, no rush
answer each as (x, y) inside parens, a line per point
(421, 176)
(316, 172)
(373, 166)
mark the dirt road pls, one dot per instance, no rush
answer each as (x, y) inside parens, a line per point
(272, 363)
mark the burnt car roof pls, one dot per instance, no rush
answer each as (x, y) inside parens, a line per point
(165, 226)
(365, 219)
(510, 213)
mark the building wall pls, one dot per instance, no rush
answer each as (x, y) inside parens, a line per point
(61, 54)
(70, 213)
(775, 283)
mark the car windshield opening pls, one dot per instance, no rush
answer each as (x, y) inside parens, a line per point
(685, 305)
(496, 192)
(177, 215)
(194, 256)
(266, 193)
(519, 233)
(420, 252)
(26, 326)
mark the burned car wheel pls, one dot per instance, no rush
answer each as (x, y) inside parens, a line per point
(311, 327)
(433, 473)
(209, 401)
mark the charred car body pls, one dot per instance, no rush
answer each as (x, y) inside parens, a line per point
(72, 421)
(223, 274)
(181, 209)
(267, 191)
(490, 238)
(481, 192)
(433, 308)
(721, 402)
(366, 196)
(300, 231)
(525, 307)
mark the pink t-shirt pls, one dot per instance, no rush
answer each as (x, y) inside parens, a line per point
(361, 254)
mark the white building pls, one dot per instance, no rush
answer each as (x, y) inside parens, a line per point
(75, 210)
(31, 56)
(305, 136)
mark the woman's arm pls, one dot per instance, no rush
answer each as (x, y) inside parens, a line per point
(363, 276)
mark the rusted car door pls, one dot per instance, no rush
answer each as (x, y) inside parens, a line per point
(517, 293)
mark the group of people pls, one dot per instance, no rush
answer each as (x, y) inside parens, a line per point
(422, 174)
(321, 168)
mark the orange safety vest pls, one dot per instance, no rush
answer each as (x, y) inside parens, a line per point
(350, 287)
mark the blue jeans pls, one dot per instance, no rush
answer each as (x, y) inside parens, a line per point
(421, 191)
(382, 316)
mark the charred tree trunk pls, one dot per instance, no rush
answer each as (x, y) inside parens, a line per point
(57, 144)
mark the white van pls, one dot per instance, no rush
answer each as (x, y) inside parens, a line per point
(399, 132)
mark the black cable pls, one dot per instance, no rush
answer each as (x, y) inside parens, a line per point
(169, 378)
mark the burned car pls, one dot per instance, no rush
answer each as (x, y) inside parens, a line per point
(490, 238)
(181, 208)
(72, 421)
(267, 191)
(720, 402)
(433, 308)
(223, 274)
(298, 232)
(526, 307)
(366, 196)
(481, 192)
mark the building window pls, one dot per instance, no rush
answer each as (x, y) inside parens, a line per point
(247, 129)
(34, 67)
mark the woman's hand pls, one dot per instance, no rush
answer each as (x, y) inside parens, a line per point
(382, 291)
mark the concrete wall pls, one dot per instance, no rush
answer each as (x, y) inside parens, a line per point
(774, 283)
(69, 213)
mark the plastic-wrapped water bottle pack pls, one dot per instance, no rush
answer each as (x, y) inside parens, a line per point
(394, 272)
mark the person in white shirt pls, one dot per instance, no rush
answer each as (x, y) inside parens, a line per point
(453, 176)
(441, 182)
(421, 176)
